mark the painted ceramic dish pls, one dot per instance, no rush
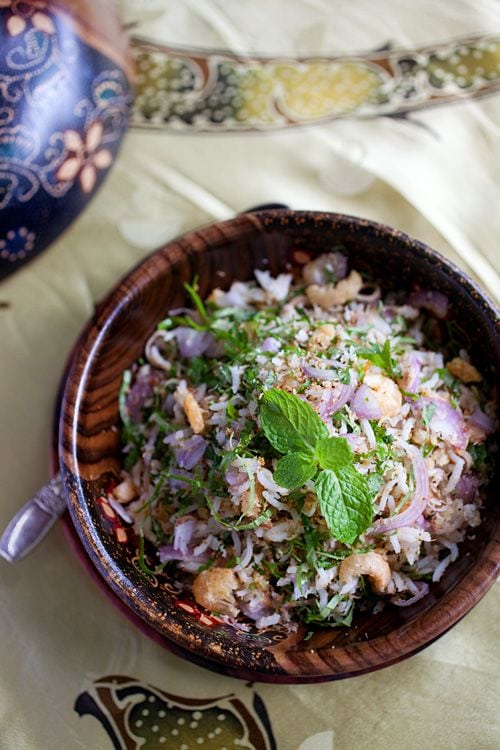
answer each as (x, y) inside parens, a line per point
(90, 448)
(65, 94)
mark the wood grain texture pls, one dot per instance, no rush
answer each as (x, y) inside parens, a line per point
(90, 452)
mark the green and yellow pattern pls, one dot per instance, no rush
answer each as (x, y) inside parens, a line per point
(135, 715)
(212, 91)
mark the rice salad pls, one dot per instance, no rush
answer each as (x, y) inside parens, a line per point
(296, 448)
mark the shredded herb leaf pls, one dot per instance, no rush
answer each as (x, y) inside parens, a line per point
(381, 356)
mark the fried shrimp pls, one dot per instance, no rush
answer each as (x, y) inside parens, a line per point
(335, 294)
(370, 564)
(389, 396)
(213, 589)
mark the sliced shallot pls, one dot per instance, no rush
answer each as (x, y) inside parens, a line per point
(417, 503)
(365, 403)
(435, 302)
(423, 590)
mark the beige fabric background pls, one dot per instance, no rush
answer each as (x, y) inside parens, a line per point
(57, 631)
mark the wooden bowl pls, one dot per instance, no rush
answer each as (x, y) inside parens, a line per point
(89, 441)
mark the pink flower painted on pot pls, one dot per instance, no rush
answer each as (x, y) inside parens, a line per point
(21, 12)
(85, 157)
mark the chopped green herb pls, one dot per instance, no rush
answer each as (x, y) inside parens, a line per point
(427, 449)
(448, 379)
(381, 357)
(428, 412)
(231, 411)
(141, 560)
(165, 324)
(192, 290)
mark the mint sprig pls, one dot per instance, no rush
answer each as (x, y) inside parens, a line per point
(293, 428)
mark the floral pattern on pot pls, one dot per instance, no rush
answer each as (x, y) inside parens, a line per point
(63, 112)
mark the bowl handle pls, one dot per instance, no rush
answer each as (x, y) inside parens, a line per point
(30, 524)
(266, 207)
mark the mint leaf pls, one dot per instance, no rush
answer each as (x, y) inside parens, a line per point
(334, 452)
(290, 424)
(345, 502)
(294, 470)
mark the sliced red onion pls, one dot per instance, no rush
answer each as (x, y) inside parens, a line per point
(333, 399)
(319, 373)
(467, 487)
(417, 503)
(247, 553)
(190, 451)
(235, 478)
(175, 438)
(192, 343)
(445, 420)
(157, 342)
(168, 553)
(482, 421)
(412, 367)
(357, 442)
(148, 449)
(168, 404)
(235, 537)
(365, 403)
(270, 344)
(183, 533)
(422, 523)
(254, 609)
(140, 391)
(335, 363)
(435, 302)
(423, 590)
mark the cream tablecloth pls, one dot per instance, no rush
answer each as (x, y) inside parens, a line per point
(436, 177)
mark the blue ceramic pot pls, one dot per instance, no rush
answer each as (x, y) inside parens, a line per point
(64, 100)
